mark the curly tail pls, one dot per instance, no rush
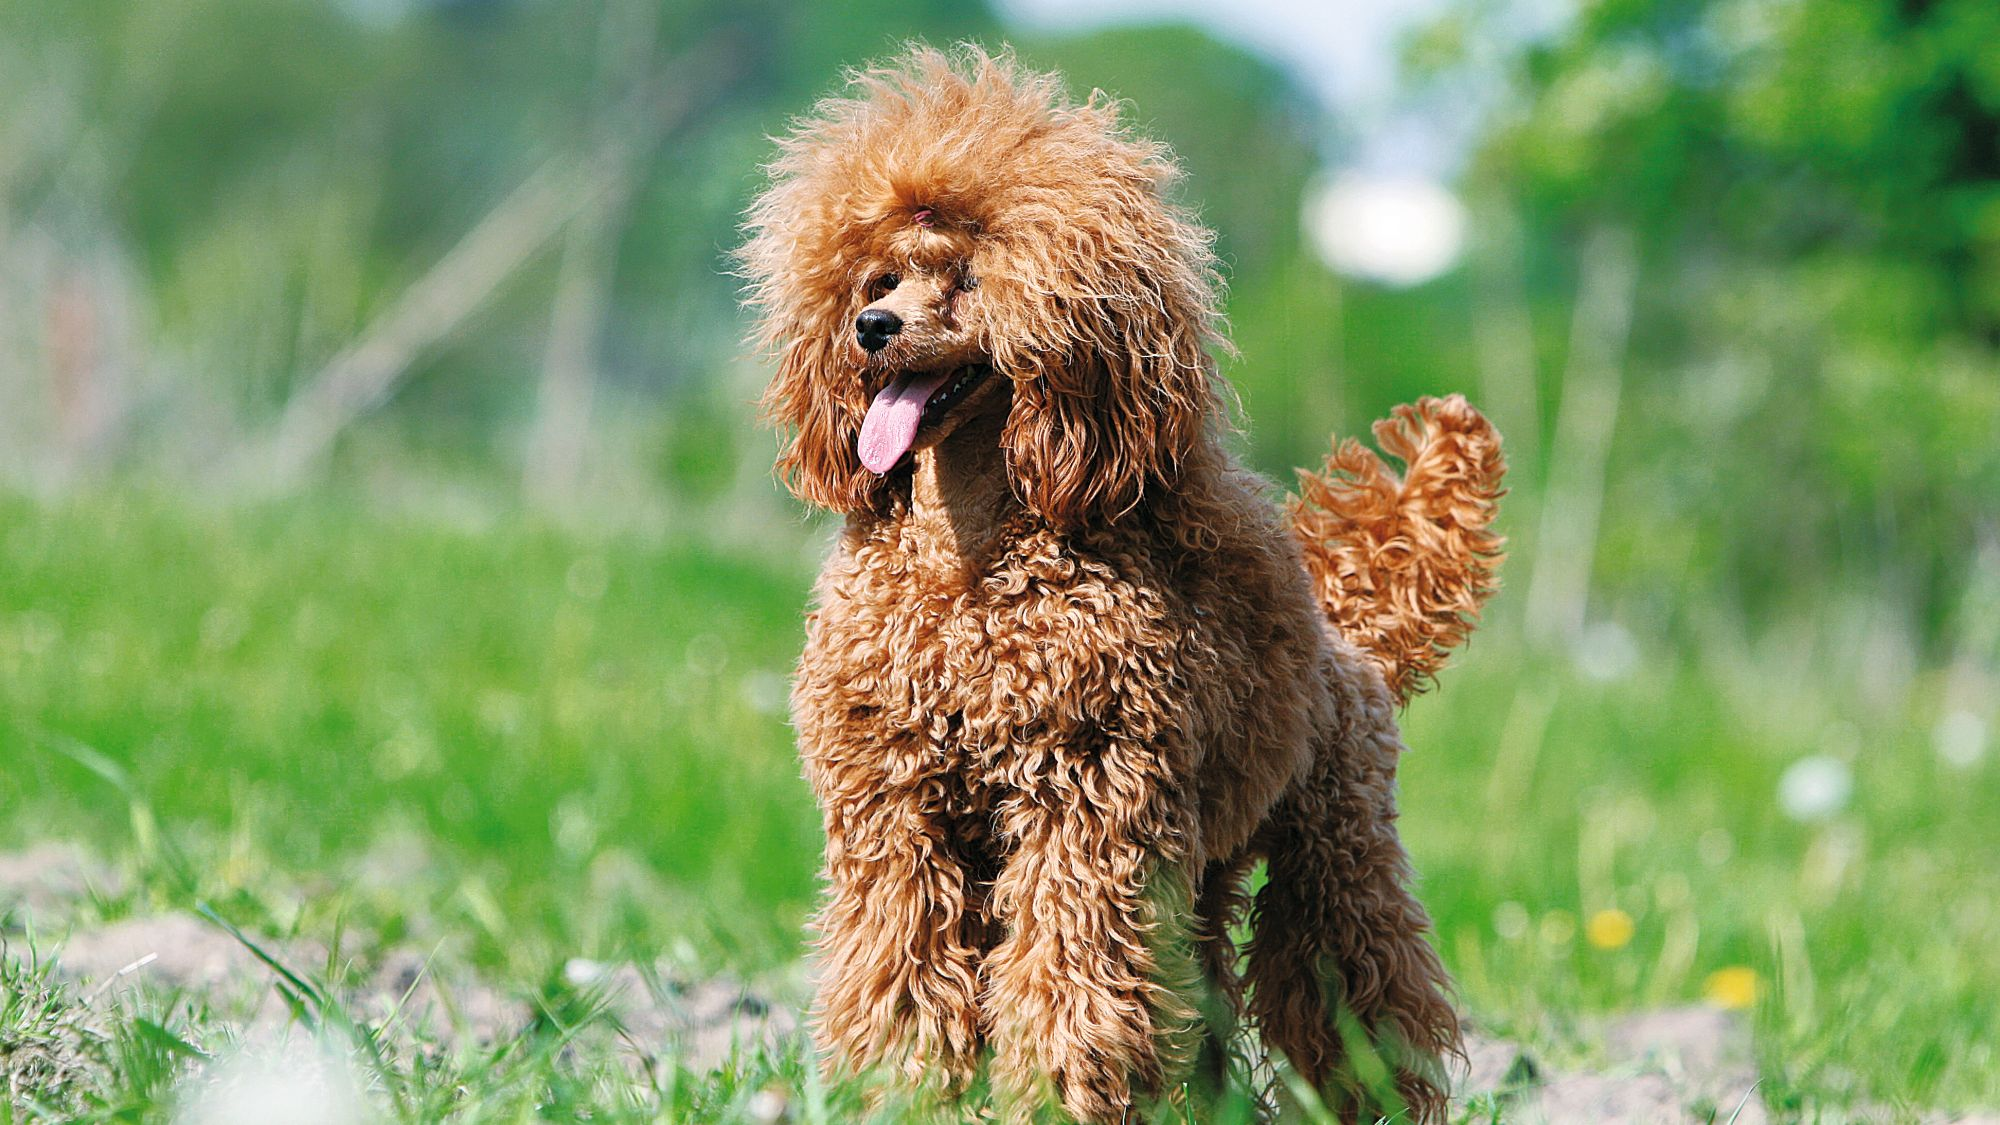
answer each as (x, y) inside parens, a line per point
(1402, 565)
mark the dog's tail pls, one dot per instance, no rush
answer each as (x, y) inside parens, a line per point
(1402, 564)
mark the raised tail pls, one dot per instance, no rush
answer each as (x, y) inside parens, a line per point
(1402, 564)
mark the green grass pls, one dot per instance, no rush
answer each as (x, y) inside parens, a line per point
(553, 718)
(580, 740)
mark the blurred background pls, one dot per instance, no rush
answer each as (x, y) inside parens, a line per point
(381, 489)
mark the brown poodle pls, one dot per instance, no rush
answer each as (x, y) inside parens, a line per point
(1071, 673)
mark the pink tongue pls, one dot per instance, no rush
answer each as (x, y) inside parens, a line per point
(891, 424)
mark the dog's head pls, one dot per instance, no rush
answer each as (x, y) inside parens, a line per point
(956, 237)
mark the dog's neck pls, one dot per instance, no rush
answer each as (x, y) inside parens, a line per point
(959, 497)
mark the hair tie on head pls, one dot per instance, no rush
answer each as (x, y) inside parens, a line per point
(922, 217)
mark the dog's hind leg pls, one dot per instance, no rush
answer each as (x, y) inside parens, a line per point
(1219, 906)
(1339, 968)
(1231, 1063)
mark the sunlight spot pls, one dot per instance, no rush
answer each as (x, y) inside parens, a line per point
(406, 753)
(765, 691)
(1510, 920)
(768, 1106)
(1715, 846)
(1397, 230)
(582, 972)
(572, 826)
(500, 712)
(301, 1083)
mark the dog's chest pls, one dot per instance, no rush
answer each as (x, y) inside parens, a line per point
(1039, 645)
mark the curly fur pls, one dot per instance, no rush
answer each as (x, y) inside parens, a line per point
(1070, 673)
(1402, 565)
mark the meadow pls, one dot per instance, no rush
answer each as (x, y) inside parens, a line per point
(396, 612)
(566, 745)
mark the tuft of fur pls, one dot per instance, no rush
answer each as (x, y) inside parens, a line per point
(1402, 564)
(1069, 674)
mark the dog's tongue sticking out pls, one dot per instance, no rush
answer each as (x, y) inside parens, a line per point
(891, 424)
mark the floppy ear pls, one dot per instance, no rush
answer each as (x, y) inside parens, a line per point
(1120, 395)
(819, 462)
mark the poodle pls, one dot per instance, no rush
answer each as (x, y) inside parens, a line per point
(1070, 671)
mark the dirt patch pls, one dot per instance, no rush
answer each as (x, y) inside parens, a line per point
(1676, 1065)
(437, 1001)
(182, 955)
(654, 1011)
(46, 880)
(699, 1021)
(176, 951)
(1704, 1053)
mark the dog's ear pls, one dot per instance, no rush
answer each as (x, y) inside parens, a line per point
(1115, 383)
(819, 462)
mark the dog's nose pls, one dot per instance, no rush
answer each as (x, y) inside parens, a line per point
(874, 327)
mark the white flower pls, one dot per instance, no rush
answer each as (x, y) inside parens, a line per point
(582, 972)
(1960, 738)
(1815, 788)
(1606, 652)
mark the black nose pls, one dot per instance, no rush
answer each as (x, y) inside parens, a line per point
(874, 327)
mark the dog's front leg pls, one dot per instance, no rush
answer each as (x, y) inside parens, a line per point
(1091, 992)
(898, 946)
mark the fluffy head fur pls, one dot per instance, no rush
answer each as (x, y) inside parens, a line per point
(1096, 297)
(1070, 674)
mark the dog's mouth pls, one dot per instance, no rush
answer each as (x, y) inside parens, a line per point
(906, 406)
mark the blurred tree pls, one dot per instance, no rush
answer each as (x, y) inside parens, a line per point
(297, 179)
(1815, 359)
(282, 172)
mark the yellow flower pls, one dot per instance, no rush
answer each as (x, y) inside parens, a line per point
(1735, 987)
(1609, 929)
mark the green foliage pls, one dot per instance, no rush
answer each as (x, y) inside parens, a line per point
(282, 170)
(1816, 350)
(279, 193)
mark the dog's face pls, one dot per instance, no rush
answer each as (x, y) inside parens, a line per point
(918, 349)
(959, 238)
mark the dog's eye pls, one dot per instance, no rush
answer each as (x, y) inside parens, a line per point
(881, 286)
(968, 282)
